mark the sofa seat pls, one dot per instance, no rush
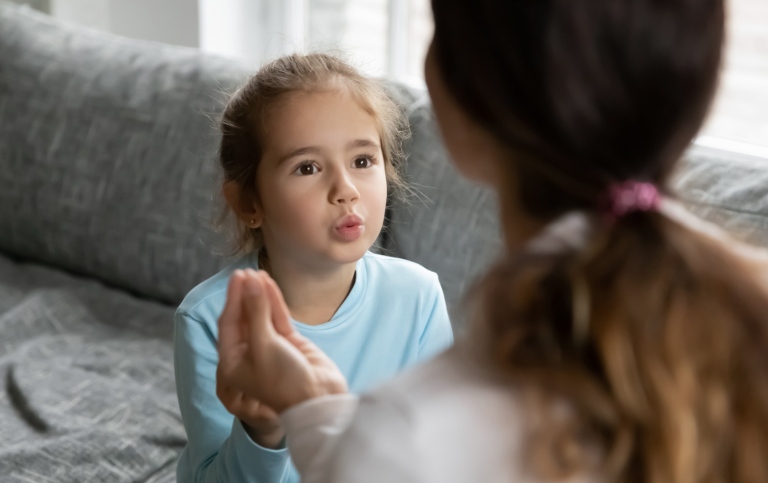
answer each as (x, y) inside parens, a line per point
(89, 389)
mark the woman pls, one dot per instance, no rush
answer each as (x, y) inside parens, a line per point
(620, 339)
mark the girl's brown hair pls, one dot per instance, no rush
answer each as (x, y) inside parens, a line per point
(669, 380)
(242, 122)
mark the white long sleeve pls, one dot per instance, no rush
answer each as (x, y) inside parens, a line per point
(314, 428)
(443, 422)
(337, 439)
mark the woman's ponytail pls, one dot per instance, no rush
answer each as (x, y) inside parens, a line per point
(656, 332)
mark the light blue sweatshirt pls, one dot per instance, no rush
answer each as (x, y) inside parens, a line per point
(394, 316)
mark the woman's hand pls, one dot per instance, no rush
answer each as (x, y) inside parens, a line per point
(259, 420)
(262, 355)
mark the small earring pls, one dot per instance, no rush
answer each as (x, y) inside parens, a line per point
(253, 222)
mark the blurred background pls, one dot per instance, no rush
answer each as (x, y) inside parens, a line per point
(390, 38)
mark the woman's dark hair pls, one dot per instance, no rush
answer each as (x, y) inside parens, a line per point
(670, 383)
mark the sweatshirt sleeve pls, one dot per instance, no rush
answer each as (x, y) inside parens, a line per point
(218, 448)
(336, 439)
(437, 334)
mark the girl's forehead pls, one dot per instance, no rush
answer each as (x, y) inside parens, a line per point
(329, 97)
(330, 118)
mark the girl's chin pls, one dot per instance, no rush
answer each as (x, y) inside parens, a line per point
(350, 252)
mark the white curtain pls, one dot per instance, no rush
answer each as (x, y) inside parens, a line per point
(381, 37)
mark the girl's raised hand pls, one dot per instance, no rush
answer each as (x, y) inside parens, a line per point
(262, 355)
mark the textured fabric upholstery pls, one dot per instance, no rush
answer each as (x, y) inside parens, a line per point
(729, 191)
(107, 148)
(87, 376)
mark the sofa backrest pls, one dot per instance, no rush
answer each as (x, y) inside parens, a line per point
(106, 150)
(107, 167)
(107, 157)
(727, 189)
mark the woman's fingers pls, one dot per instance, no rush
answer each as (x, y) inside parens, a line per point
(257, 310)
(229, 328)
(281, 316)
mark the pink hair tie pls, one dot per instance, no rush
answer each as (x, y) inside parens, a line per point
(631, 196)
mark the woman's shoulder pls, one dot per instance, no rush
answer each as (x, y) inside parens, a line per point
(449, 377)
(462, 425)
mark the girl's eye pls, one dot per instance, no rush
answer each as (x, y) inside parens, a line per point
(363, 162)
(306, 169)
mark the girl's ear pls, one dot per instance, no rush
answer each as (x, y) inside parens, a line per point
(249, 213)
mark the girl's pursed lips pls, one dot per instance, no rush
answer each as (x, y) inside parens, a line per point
(349, 221)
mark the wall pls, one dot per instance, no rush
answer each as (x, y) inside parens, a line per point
(169, 21)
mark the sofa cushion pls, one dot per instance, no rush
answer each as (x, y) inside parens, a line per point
(88, 388)
(728, 190)
(107, 150)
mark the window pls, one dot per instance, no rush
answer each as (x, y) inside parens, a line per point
(390, 37)
(739, 118)
(381, 37)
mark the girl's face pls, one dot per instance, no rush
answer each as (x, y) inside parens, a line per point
(321, 180)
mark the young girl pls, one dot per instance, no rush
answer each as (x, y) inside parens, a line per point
(621, 340)
(308, 149)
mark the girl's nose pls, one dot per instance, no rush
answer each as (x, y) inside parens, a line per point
(343, 189)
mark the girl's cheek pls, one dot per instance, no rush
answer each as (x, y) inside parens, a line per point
(375, 186)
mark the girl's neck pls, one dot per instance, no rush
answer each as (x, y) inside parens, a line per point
(312, 296)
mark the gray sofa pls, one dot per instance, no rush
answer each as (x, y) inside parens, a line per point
(108, 185)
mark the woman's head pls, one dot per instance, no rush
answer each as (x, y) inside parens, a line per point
(582, 94)
(654, 332)
(307, 142)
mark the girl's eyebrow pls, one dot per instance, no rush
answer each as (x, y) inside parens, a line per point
(299, 152)
(362, 143)
(357, 143)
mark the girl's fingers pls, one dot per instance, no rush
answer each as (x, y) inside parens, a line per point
(229, 329)
(281, 316)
